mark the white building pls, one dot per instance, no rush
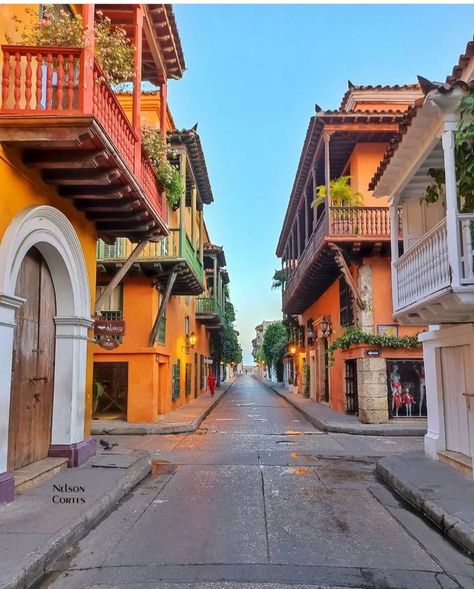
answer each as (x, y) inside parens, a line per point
(433, 278)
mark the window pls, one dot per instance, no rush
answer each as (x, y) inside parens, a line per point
(202, 373)
(187, 389)
(162, 330)
(114, 302)
(175, 393)
(186, 326)
(345, 303)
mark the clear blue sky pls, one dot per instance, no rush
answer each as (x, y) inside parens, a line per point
(254, 74)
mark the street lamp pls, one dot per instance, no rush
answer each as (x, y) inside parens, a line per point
(325, 326)
(191, 341)
(292, 349)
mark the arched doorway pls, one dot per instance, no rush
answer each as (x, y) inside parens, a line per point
(55, 240)
(32, 384)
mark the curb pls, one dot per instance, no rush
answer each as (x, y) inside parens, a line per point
(33, 567)
(144, 429)
(456, 529)
(342, 429)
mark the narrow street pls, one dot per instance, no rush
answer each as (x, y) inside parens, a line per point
(259, 498)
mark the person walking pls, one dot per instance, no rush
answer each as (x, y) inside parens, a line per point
(211, 383)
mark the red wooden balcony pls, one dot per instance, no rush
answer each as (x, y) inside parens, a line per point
(71, 127)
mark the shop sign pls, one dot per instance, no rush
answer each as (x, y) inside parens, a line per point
(108, 343)
(108, 327)
(372, 353)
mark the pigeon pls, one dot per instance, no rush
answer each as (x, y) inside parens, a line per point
(106, 445)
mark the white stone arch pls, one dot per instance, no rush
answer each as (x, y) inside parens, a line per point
(49, 230)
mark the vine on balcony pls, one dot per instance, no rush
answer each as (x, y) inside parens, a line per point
(61, 28)
(464, 157)
(355, 335)
(160, 154)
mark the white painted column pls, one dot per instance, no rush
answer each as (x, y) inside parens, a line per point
(70, 380)
(454, 254)
(394, 250)
(8, 306)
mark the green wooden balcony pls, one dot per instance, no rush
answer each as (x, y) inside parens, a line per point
(209, 312)
(159, 260)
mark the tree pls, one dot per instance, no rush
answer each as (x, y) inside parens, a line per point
(274, 345)
(225, 346)
(279, 279)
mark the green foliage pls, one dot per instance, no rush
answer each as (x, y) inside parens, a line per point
(279, 279)
(224, 343)
(274, 345)
(306, 380)
(464, 158)
(61, 28)
(341, 194)
(354, 335)
(259, 357)
(159, 154)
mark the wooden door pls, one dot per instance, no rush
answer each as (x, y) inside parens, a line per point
(456, 381)
(31, 402)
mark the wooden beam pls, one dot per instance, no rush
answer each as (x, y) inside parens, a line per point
(115, 191)
(55, 158)
(119, 275)
(81, 177)
(106, 205)
(162, 308)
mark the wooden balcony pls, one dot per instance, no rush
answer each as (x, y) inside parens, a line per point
(356, 230)
(78, 137)
(425, 288)
(209, 312)
(158, 260)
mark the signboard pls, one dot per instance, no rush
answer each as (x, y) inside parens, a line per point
(104, 327)
(372, 353)
(108, 343)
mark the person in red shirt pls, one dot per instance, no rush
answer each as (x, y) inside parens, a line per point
(211, 383)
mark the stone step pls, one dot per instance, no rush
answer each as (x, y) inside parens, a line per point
(456, 460)
(35, 473)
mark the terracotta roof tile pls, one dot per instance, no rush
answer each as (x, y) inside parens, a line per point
(463, 60)
(380, 87)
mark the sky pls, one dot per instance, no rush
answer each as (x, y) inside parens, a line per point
(254, 73)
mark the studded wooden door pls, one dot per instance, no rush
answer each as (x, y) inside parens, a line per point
(31, 404)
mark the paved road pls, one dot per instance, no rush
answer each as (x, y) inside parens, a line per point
(258, 498)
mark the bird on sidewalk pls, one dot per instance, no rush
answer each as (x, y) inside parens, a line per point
(107, 445)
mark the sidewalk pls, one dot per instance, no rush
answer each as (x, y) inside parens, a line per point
(186, 419)
(324, 418)
(45, 520)
(442, 494)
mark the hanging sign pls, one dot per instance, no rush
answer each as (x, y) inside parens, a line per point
(108, 343)
(103, 327)
(372, 353)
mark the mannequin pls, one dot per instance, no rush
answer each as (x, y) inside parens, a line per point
(408, 400)
(396, 387)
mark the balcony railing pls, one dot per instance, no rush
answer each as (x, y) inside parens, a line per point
(49, 81)
(364, 223)
(175, 245)
(208, 306)
(424, 269)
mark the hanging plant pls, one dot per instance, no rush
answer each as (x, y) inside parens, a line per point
(168, 175)
(464, 160)
(61, 28)
(355, 335)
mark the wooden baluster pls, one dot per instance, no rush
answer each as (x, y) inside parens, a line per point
(70, 83)
(39, 80)
(17, 87)
(5, 79)
(49, 81)
(60, 92)
(28, 81)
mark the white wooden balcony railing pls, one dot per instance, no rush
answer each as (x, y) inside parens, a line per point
(466, 229)
(424, 268)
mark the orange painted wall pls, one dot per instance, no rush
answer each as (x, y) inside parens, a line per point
(364, 160)
(149, 393)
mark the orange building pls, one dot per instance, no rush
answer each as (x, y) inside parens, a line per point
(170, 299)
(72, 167)
(336, 258)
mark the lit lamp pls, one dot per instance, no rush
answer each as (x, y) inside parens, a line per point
(292, 349)
(191, 340)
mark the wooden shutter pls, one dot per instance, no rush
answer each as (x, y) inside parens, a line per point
(187, 389)
(176, 380)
